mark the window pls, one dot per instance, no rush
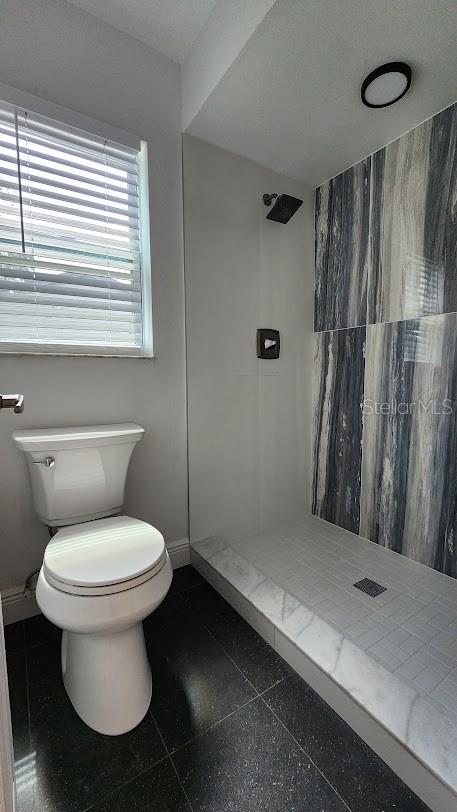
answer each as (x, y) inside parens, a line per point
(74, 240)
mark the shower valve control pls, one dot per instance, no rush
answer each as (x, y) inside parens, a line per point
(268, 343)
(15, 402)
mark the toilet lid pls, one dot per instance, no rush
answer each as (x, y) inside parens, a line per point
(103, 553)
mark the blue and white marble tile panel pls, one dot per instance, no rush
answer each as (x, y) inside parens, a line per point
(408, 499)
(338, 374)
(341, 249)
(413, 223)
(386, 232)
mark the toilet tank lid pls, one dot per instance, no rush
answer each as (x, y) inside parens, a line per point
(77, 436)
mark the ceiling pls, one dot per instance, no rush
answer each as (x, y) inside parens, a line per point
(290, 100)
(169, 26)
(278, 81)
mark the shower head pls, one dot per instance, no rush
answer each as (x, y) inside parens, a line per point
(284, 207)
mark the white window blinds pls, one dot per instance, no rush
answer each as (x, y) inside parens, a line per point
(70, 239)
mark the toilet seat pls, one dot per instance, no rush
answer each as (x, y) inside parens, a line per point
(104, 557)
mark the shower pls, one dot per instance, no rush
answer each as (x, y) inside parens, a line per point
(284, 207)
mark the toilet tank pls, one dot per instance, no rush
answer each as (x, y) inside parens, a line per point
(86, 471)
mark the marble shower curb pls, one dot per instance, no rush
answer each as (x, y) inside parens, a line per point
(406, 730)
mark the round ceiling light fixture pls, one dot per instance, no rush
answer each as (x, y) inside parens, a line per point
(386, 85)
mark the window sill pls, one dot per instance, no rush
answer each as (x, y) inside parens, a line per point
(57, 354)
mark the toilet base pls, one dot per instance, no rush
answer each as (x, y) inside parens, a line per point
(108, 678)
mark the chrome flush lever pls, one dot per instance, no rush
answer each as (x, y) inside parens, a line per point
(15, 402)
(49, 462)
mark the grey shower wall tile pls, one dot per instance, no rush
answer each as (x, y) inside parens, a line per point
(409, 460)
(337, 425)
(413, 223)
(341, 249)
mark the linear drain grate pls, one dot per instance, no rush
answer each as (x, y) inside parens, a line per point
(370, 587)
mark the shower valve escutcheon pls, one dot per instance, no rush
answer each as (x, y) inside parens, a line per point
(15, 402)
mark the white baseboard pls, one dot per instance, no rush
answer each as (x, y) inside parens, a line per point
(179, 552)
(16, 606)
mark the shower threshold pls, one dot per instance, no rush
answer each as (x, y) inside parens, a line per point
(385, 662)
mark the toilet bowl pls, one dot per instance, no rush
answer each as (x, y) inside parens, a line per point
(98, 581)
(102, 573)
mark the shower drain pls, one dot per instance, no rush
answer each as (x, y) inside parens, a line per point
(370, 587)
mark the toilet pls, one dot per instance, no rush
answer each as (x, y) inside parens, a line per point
(102, 572)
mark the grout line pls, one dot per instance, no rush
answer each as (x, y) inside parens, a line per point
(211, 727)
(126, 784)
(258, 693)
(259, 696)
(219, 644)
(180, 783)
(279, 681)
(173, 766)
(170, 759)
(349, 327)
(305, 752)
(373, 324)
(214, 725)
(158, 730)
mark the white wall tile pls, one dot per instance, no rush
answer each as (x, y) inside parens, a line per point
(248, 419)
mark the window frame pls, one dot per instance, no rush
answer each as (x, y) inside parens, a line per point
(71, 119)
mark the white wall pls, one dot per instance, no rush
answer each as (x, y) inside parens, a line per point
(249, 419)
(58, 52)
(228, 29)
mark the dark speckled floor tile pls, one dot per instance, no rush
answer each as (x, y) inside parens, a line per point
(45, 676)
(14, 637)
(157, 789)
(184, 578)
(230, 750)
(364, 781)
(194, 682)
(253, 656)
(39, 630)
(17, 686)
(76, 767)
(24, 756)
(250, 762)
